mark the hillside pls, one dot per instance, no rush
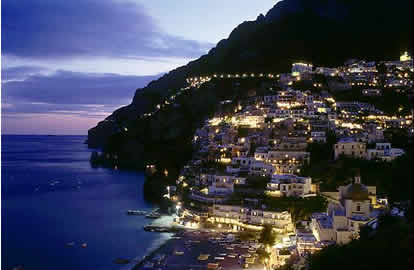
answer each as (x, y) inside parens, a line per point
(325, 32)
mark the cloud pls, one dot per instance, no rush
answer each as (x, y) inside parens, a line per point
(62, 29)
(62, 102)
(84, 95)
(65, 87)
(21, 73)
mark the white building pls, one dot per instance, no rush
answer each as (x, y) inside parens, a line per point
(318, 137)
(261, 168)
(327, 71)
(384, 152)
(250, 218)
(290, 185)
(345, 217)
(217, 188)
(300, 68)
(284, 161)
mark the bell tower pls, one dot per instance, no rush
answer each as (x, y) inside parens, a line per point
(358, 179)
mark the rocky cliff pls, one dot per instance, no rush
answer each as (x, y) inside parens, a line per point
(325, 32)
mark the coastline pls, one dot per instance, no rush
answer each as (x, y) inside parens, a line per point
(185, 251)
(153, 253)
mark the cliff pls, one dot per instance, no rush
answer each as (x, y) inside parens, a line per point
(325, 32)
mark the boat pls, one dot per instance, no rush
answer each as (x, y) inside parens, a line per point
(213, 266)
(121, 261)
(203, 257)
(148, 265)
(153, 215)
(154, 228)
(250, 260)
(70, 244)
(148, 228)
(84, 245)
(136, 212)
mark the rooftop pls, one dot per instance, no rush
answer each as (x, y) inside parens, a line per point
(346, 140)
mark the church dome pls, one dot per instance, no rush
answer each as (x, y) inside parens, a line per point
(356, 192)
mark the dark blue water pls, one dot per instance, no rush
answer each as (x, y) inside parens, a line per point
(84, 205)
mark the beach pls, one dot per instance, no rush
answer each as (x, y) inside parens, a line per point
(185, 250)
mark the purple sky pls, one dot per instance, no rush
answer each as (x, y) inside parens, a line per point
(68, 64)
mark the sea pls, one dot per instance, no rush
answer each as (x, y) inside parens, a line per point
(53, 201)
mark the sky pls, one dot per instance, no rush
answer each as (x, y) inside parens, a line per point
(66, 65)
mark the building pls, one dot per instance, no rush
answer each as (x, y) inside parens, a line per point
(405, 57)
(284, 161)
(261, 168)
(345, 216)
(327, 71)
(250, 218)
(384, 152)
(350, 148)
(318, 137)
(372, 92)
(290, 185)
(300, 68)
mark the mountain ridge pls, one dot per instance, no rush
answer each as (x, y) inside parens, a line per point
(324, 32)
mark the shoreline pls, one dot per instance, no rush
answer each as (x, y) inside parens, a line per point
(152, 253)
(196, 249)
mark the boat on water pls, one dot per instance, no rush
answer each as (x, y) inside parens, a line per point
(153, 215)
(84, 245)
(148, 229)
(121, 261)
(136, 212)
(70, 244)
(151, 228)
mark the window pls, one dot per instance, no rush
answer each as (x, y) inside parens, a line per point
(358, 207)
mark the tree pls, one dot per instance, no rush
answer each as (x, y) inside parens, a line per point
(267, 236)
(268, 239)
(247, 235)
